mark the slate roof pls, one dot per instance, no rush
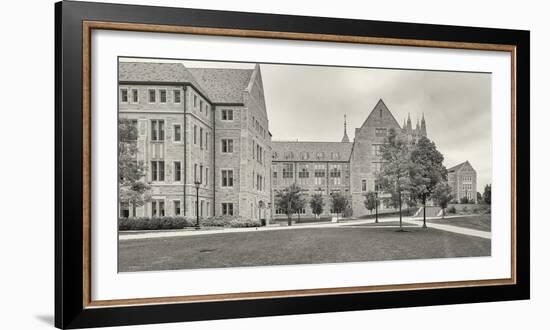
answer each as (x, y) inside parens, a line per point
(157, 72)
(292, 151)
(223, 85)
(457, 167)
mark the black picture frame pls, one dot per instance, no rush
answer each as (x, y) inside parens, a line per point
(70, 309)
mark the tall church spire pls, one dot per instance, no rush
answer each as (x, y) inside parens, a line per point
(345, 138)
(423, 126)
(409, 124)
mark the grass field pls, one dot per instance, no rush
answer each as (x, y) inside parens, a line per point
(478, 222)
(296, 246)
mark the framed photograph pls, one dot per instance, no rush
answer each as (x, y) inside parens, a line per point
(214, 164)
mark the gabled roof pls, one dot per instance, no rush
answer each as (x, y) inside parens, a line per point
(157, 72)
(458, 167)
(223, 85)
(317, 151)
(380, 105)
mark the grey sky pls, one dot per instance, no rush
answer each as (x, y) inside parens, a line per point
(308, 103)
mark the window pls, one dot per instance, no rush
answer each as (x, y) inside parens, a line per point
(206, 140)
(303, 173)
(157, 130)
(304, 155)
(227, 208)
(195, 134)
(289, 155)
(319, 173)
(177, 171)
(335, 155)
(381, 132)
(206, 176)
(206, 110)
(336, 174)
(177, 133)
(288, 171)
(177, 208)
(158, 208)
(227, 178)
(200, 105)
(157, 170)
(377, 167)
(195, 172)
(200, 137)
(320, 155)
(135, 96)
(194, 101)
(376, 149)
(177, 96)
(162, 95)
(124, 95)
(152, 96)
(227, 114)
(200, 174)
(227, 146)
(363, 185)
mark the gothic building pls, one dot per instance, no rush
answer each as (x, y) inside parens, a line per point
(199, 127)
(463, 180)
(343, 167)
(209, 128)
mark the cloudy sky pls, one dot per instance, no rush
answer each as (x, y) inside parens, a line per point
(308, 103)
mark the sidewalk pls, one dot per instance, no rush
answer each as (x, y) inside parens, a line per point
(343, 223)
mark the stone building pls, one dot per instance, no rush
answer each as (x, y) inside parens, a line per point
(345, 167)
(199, 126)
(463, 180)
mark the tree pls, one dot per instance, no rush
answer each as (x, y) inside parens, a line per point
(317, 204)
(371, 201)
(464, 200)
(487, 194)
(426, 171)
(394, 176)
(442, 195)
(290, 200)
(133, 189)
(339, 202)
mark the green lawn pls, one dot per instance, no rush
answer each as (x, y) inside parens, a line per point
(478, 222)
(296, 246)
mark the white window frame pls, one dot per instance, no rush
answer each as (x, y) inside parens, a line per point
(174, 208)
(174, 133)
(127, 95)
(174, 95)
(227, 111)
(132, 95)
(165, 95)
(149, 95)
(232, 208)
(232, 177)
(227, 149)
(174, 171)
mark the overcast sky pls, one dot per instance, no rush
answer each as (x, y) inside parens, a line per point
(308, 103)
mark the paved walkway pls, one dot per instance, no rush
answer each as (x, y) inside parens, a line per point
(132, 235)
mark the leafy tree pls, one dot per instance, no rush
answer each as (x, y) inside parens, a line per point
(394, 176)
(464, 200)
(371, 202)
(339, 202)
(132, 188)
(487, 194)
(442, 195)
(426, 171)
(317, 204)
(289, 200)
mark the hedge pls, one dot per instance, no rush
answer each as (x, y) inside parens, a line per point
(165, 223)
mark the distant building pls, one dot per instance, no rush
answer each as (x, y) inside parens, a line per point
(339, 167)
(463, 180)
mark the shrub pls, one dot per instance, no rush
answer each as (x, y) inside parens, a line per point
(241, 223)
(451, 210)
(145, 223)
(348, 212)
(464, 209)
(464, 200)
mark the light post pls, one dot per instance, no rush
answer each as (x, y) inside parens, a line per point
(376, 205)
(197, 186)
